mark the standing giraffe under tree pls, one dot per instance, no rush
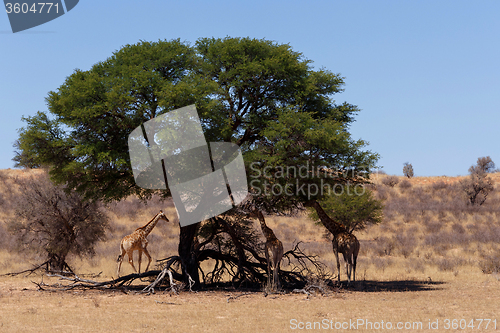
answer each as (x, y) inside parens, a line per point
(343, 241)
(273, 250)
(137, 241)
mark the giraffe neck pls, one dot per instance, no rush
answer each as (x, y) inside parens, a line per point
(151, 224)
(334, 227)
(268, 232)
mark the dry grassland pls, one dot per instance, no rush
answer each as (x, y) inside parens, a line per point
(423, 264)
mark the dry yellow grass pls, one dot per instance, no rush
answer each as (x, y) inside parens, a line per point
(393, 288)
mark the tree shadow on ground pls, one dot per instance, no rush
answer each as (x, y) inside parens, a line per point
(394, 286)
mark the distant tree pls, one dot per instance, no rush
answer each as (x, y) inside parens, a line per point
(55, 223)
(408, 170)
(478, 185)
(484, 164)
(353, 206)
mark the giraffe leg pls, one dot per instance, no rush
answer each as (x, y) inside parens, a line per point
(146, 252)
(119, 266)
(268, 265)
(336, 253)
(347, 261)
(354, 260)
(120, 259)
(140, 260)
(348, 268)
(131, 259)
(277, 275)
(278, 254)
(354, 268)
(272, 272)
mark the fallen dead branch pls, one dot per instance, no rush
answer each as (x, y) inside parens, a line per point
(44, 266)
(81, 283)
(122, 282)
(151, 288)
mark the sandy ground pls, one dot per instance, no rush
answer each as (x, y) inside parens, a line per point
(409, 304)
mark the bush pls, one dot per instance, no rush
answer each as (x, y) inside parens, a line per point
(490, 264)
(439, 185)
(6, 241)
(432, 227)
(382, 246)
(406, 243)
(55, 222)
(405, 184)
(390, 181)
(448, 264)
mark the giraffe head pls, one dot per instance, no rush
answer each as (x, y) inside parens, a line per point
(161, 215)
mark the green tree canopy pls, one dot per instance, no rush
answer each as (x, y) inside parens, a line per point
(83, 136)
(352, 206)
(259, 94)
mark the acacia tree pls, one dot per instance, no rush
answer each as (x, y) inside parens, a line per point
(408, 170)
(478, 185)
(55, 222)
(259, 94)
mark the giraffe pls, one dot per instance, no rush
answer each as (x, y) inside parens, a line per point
(343, 241)
(137, 241)
(273, 250)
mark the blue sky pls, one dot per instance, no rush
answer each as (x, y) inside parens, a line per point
(426, 74)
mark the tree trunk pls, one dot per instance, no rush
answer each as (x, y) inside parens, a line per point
(189, 261)
(57, 263)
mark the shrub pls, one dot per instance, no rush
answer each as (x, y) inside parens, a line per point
(6, 241)
(55, 222)
(381, 263)
(439, 185)
(382, 193)
(446, 264)
(390, 181)
(405, 184)
(416, 265)
(490, 264)
(457, 228)
(406, 243)
(432, 227)
(383, 246)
